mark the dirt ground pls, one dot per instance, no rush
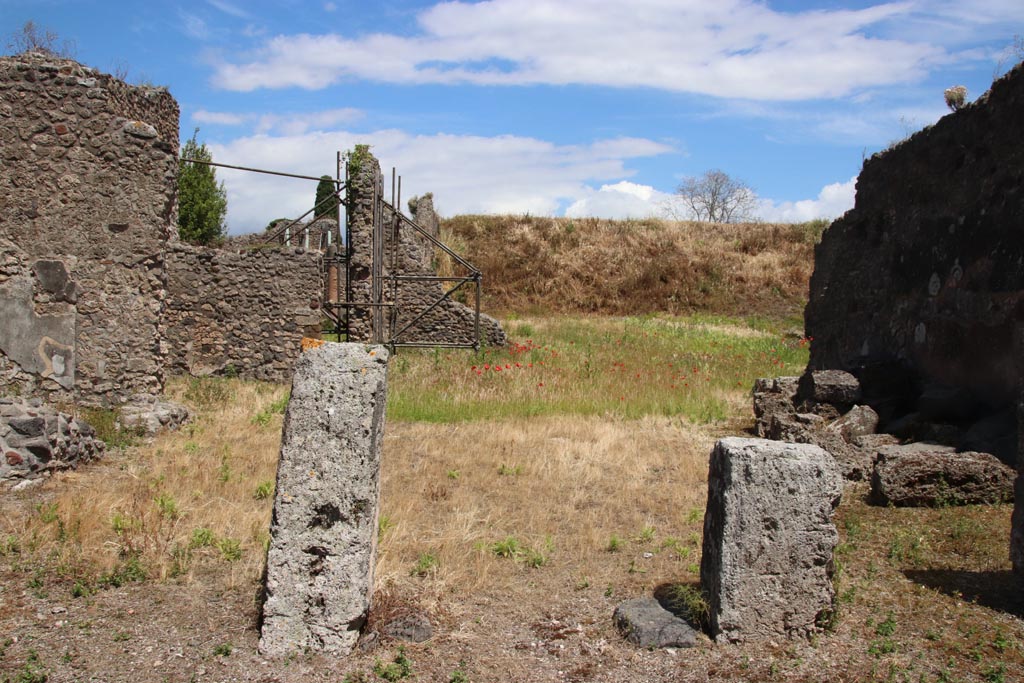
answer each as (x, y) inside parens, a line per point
(923, 594)
(902, 618)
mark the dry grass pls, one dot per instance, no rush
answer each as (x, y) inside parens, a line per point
(517, 535)
(562, 265)
(188, 502)
(455, 491)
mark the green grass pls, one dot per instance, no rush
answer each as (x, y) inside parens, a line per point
(626, 367)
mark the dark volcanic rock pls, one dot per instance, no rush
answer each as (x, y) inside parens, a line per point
(927, 269)
(830, 386)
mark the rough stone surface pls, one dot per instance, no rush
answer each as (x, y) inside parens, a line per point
(1017, 520)
(37, 335)
(422, 210)
(859, 421)
(150, 414)
(89, 167)
(240, 313)
(769, 538)
(644, 622)
(319, 575)
(448, 322)
(412, 628)
(926, 272)
(918, 476)
(775, 408)
(830, 386)
(36, 439)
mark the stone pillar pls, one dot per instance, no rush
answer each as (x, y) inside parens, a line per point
(768, 538)
(319, 576)
(361, 213)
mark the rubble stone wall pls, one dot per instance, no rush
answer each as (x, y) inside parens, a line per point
(926, 270)
(243, 313)
(89, 167)
(447, 322)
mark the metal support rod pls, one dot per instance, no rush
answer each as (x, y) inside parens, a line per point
(424, 312)
(430, 345)
(476, 318)
(435, 278)
(436, 242)
(377, 264)
(348, 250)
(253, 170)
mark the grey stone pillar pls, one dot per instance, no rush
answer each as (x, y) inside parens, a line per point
(768, 538)
(319, 576)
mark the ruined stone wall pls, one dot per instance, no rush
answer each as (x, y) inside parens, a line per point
(243, 313)
(89, 168)
(922, 282)
(446, 323)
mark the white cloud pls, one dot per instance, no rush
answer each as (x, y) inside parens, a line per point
(330, 7)
(221, 118)
(229, 8)
(194, 26)
(299, 123)
(620, 200)
(467, 174)
(833, 201)
(294, 123)
(731, 48)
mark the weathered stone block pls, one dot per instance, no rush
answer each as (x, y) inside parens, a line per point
(920, 476)
(830, 386)
(644, 622)
(859, 421)
(319, 575)
(769, 538)
(150, 414)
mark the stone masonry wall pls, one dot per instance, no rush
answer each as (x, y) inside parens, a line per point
(919, 289)
(449, 321)
(240, 312)
(925, 273)
(89, 167)
(37, 325)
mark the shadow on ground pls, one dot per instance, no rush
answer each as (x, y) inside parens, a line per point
(998, 590)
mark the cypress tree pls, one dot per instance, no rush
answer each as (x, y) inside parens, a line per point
(326, 201)
(202, 203)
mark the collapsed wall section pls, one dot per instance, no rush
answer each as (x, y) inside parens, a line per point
(419, 312)
(240, 313)
(89, 168)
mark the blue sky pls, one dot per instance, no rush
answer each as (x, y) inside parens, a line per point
(560, 107)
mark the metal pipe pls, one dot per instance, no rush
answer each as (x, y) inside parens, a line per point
(253, 170)
(426, 310)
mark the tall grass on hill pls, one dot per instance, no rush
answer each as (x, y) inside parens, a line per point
(565, 265)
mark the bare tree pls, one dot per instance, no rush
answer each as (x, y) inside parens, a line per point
(716, 197)
(1011, 56)
(35, 38)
